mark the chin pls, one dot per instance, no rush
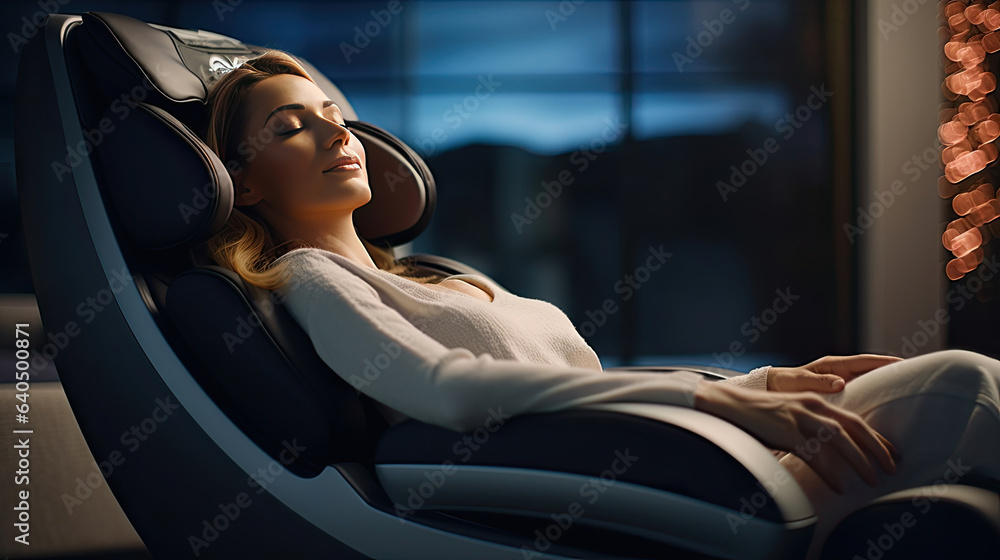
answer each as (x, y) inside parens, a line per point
(366, 194)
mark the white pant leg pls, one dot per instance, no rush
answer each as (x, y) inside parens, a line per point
(942, 413)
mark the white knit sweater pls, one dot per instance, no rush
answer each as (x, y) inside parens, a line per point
(450, 359)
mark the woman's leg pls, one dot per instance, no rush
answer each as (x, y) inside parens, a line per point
(942, 413)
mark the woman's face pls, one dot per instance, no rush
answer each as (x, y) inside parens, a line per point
(302, 164)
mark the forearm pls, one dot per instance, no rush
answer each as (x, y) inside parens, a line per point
(714, 397)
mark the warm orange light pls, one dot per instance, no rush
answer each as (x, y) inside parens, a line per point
(974, 13)
(971, 54)
(954, 8)
(970, 162)
(969, 129)
(972, 112)
(958, 22)
(952, 132)
(991, 19)
(991, 42)
(985, 131)
(964, 203)
(967, 242)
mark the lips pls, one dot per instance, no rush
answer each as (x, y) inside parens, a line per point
(346, 163)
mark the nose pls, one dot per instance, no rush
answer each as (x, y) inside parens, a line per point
(336, 132)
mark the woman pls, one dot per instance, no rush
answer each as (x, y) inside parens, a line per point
(448, 351)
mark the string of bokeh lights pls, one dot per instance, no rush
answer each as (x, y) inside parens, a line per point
(969, 126)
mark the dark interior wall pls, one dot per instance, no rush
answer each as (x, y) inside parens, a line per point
(698, 130)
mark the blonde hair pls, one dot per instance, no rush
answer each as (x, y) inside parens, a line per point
(246, 244)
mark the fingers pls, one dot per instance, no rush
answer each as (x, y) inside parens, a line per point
(890, 447)
(820, 383)
(830, 467)
(863, 436)
(849, 367)
(842, 440)
(827, 383)
(801, 379)
(830, 439)
(874, 445)
(822, 456)
(868, 362)
(883, 451)
(847, 442)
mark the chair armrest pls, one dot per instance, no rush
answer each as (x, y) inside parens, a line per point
(662, 473)
(679, 450)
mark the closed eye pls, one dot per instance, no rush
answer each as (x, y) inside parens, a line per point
(330, 112)
(301, 128)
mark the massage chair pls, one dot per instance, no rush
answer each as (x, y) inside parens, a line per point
(259, 450)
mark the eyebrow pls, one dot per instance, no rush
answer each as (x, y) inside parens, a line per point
(291, 106)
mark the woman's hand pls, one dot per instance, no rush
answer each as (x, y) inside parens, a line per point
(796, 423)
(825, 375)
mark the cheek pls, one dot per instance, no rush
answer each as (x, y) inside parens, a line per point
(279, 164)
(359, 149)
(277, 173)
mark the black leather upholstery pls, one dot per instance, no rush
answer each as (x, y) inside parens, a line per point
(585, 442)
(403, 184)
(264, 373)
(127, 53)
(168, 188)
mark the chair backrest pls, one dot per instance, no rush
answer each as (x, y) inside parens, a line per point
(139, 91)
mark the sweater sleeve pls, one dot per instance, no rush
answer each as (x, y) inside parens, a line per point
(375, 349)
(756, 379)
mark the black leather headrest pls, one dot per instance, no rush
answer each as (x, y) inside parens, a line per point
(403, 190)
(168, 187)
(173, 68)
